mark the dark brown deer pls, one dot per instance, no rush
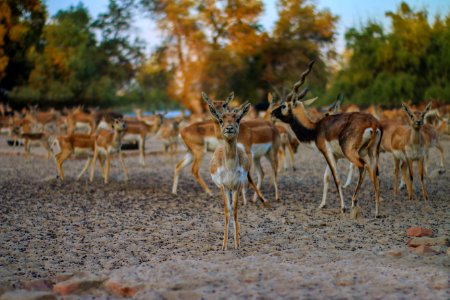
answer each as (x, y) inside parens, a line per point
(355, 136)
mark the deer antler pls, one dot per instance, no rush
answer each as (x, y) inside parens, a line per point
(299, 83)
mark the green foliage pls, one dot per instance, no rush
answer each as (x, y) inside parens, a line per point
(411, 62)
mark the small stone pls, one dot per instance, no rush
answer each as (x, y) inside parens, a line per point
(27, 295)
(394, 252)
(428, 241)
(423, 250)
(38, 285)
(122, 289)
(448, 251)
(77, 283)
(419, 232)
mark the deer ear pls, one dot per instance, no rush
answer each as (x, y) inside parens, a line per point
(407, 110)
(244, 109)
(427, 108)
(212, 110)
(229, 98)
(310, 101)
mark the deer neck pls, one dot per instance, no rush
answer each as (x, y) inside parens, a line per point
(303, 127)
(231, 161)
(416, 137)
(117, 137)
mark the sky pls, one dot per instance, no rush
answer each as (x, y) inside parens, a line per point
(351, 13)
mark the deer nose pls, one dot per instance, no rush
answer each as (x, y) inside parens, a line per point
(229, 129)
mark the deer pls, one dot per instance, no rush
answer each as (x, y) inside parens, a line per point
(139, 130)
(408, 145)
(108, 143)
(31, 138)
(230, 167)
(78, 119)
(259, 138)
(169, 135)
(76, 144)
(355, 136)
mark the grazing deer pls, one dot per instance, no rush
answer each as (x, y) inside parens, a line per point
(230, 166)
(108, 143)
(353, 136)
(408, 145)
(76, 144)
(259, 138)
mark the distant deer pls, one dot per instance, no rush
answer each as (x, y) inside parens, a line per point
(354, 136)
(108, 143)
(230, 166)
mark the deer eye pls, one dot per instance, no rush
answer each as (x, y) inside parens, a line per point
(220, 121)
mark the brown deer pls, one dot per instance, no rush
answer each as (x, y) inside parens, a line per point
(230, 166)
(138, 131)
(76, 144)
(108, 143)
(259, 138)
(354, 136)
(409, 144)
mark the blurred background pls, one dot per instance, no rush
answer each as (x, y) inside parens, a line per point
(160, 54)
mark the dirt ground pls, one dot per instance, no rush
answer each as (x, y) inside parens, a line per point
(171, 245)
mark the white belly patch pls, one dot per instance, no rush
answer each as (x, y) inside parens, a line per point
(231, 179)
(82, 151)
(211, 143)
(334, 147)
(259, 150)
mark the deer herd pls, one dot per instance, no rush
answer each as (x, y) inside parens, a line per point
(239, 141)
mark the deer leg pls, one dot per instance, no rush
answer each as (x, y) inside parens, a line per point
(91, 176)
(272, 156)
(107, 167)
(62, 157)
(187, 160)
(244, 195)
(326, 182)
(396, 165)
(331, 160)
(421, 169)
(86, 166)
(198, 155)
(257, 191)
(27, 148)
(355, 209)
(227, 208)
(124, 167)
(441, 153)
(407, 179)
(235, 217)
(259, 174)
(291, 155)
(142, 150)
(351, 168)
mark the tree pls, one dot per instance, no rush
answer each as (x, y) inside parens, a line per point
(408, 63)
(21, 24)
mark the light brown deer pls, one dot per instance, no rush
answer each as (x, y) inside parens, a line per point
(30, 139)
(408, 145)
(80, 145)
(355, 136)
(230, 167)
(259, 138)
(108, 143)
(80, 120)
(138, 131)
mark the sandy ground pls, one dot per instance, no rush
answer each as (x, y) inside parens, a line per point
(172, 244)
